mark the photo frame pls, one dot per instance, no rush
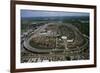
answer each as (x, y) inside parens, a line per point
(52, 36)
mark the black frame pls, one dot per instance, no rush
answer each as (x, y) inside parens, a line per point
(13, 35)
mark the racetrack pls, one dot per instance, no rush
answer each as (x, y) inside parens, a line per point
(79, 40)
